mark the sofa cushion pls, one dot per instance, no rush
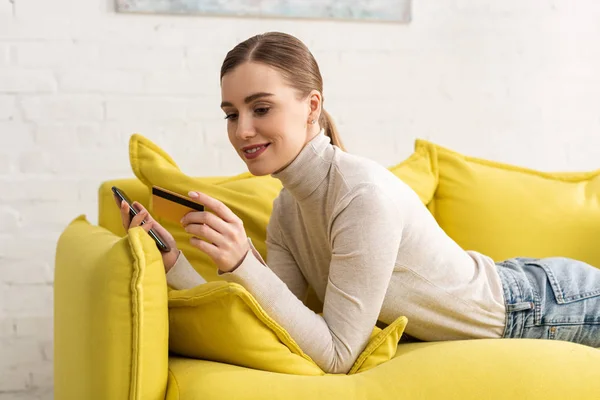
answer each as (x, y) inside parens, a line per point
(111, 326)
(491, 369)
(221, 321)
(505, 211)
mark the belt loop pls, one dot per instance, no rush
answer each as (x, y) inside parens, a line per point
(525, 305)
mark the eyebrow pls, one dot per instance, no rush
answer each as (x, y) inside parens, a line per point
(249, 99)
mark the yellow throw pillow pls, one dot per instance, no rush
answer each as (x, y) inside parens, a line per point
(506, 211)
(111, 323)
(382, 346)
(249, 197)
(419, 171)
(221, 321)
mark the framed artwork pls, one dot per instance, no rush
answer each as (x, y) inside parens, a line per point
(398, 11)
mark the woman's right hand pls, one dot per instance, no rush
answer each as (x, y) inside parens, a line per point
(145, 220)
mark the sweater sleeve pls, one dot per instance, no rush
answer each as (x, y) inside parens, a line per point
(182, 275)
(365, 238)
(281, 261)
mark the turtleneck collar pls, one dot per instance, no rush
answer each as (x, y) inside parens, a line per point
(309, 168)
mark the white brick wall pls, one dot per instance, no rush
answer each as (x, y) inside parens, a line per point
(511, 80)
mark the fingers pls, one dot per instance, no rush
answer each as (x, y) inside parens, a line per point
(158, 228)
(138, 207)
(125, 218)
(142, 219)
(219, 208)
(138, 220)
(203, 217)
(207, 233)
(210, 249)
(162, 232)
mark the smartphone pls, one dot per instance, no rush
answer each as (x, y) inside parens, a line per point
(172, 206)
(121, 196)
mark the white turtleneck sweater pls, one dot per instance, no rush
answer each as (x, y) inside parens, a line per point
(371, 250)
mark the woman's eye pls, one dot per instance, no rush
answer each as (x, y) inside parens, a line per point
(231, 116)
(261, 110)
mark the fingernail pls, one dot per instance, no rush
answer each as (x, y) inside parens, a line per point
(193, 194)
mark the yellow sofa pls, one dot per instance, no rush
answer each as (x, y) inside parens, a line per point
(112, 302)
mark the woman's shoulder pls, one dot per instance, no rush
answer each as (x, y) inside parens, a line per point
(359, 173)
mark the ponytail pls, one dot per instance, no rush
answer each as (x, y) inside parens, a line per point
(331, 130)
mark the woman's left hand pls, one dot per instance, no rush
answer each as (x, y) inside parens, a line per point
(220, 235)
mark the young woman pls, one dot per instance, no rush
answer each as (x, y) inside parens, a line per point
(357, 234)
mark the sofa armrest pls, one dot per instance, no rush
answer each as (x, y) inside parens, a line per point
(110, 315)
(109, 216)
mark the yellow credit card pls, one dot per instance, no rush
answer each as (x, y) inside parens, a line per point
(172, 206)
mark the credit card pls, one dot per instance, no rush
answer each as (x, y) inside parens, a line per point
(172, 206)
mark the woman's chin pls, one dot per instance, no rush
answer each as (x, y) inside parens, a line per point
(259, 170)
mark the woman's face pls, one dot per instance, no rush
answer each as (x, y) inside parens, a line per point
(267, 122)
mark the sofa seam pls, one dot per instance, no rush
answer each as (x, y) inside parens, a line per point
(137, 315)
(170, 372)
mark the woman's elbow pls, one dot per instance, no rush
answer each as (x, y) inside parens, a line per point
(338, 365)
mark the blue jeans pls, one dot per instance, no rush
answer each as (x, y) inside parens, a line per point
(551, 298)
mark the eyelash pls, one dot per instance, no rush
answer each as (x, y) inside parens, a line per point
(234, 116)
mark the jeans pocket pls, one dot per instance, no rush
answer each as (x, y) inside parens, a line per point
(571, 280)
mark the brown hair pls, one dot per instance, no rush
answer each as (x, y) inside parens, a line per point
(293, 59)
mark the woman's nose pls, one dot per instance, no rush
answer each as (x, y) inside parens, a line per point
(245, 129)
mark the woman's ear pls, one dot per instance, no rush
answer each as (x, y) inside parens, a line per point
(315, 101)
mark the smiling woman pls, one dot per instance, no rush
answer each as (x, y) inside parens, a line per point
(358, 235)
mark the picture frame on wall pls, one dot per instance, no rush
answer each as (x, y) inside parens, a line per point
(397, 11)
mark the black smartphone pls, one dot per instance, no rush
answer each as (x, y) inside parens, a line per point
(121, 196)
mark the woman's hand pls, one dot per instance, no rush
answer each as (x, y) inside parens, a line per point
(145, 220)
(220, 235)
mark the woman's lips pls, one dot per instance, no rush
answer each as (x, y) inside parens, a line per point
(255, 151)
